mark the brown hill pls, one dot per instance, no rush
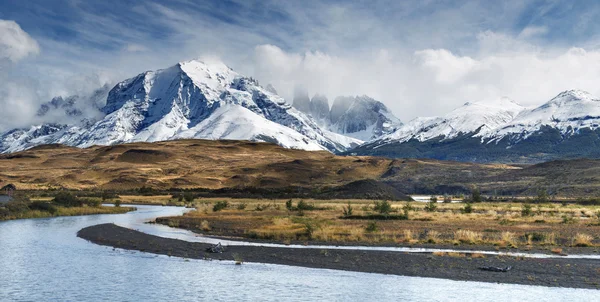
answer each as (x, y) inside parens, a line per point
(235, 165)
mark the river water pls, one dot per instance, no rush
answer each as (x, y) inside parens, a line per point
(43, 260)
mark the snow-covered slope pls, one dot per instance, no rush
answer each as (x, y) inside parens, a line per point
(568, 112)
(480, 117)
(191, 99)
(568, 126)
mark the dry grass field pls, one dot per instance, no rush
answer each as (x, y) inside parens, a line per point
(193, 164)
(499, 225)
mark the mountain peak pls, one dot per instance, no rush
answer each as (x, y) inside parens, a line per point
(570, 97)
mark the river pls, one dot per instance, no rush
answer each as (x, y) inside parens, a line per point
(44, 260)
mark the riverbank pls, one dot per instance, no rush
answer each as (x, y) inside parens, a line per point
(63, 211)
(575, 273)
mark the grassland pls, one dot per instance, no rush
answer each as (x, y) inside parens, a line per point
(492, 225)
(61, 211)
(267, 170)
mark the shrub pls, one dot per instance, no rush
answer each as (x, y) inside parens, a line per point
(372, 227)
(67, 199)
(542, 196)
(289, 205)
(220, 205)
(309, 229)
(383, 207)
(117, 203)
(93, 202)
(431, 206)
(348, 210)
(475, 195)
(43, 206)
(526, 210)
(304, 206)
(447, 199)
(468, 208)
(188, 196)
(241, 206)
(567, 219)
(407, 208)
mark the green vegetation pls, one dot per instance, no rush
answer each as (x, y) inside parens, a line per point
(382, 207)
(220, 205)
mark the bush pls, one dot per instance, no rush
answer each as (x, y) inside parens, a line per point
(431, 206)
(372, 227)
(43, 206)
(383, 207)
(304, 206)
(526, 210)
(447, 199)
(348, 210)
(188, 196)
(67, 199)
(407, 208)
(241, 206)
(108, 195)
(468, 208)
(93, 202)
(475, 195)
(289, 205)
(542, 196)
(220, 205)
(117, 203)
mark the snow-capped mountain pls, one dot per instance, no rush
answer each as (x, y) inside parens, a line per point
(479, 118)
(360, 117)
(192, 99)
(567, 126)
(568, 112)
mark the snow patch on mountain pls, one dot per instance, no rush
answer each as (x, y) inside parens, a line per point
(480, 118)
(568, 112)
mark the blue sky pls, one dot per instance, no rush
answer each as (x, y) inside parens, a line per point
(418, 57)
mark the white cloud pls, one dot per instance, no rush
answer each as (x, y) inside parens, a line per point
(532, 31)
(432, 81)
(15, 44)
(132, 47)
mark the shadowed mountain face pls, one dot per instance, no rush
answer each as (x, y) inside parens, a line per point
(241, 167)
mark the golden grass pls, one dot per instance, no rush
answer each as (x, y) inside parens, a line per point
(468, 236)
(508, 239)
(447, 224)
(583, 240)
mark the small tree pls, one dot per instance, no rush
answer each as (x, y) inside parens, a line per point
(475, 195)
(542, 196)
(118, 203)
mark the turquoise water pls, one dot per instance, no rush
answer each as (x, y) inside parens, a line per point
(43, 260)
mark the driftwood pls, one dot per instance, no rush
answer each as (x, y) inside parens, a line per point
(495, 269)
(216, 249)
